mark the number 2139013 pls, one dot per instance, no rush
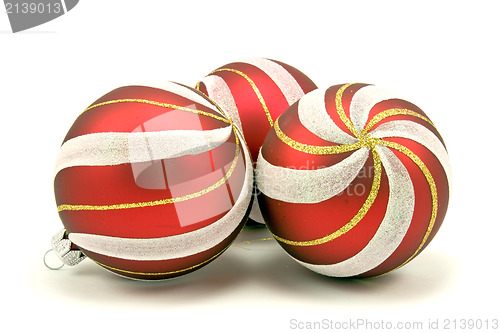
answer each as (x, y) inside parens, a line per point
(33, 8)
(470, 324)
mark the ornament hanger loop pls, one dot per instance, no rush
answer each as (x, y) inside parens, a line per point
(47, 265)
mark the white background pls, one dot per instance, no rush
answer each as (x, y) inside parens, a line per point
(444, 54)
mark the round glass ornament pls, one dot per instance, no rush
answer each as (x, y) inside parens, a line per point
(354, 180)
(151, 183)
(254, 93)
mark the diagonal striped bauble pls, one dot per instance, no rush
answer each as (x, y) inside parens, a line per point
(254, 93)
(354, 180)
(153, 183)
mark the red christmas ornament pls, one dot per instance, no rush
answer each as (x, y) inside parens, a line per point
(151, 183)
(254, 93)
(354, 181)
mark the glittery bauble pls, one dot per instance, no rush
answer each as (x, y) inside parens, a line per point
(354, 180)
(254, 93)
(153, 183)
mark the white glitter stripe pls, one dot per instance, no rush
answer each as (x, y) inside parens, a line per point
(219, 92)
(391, 231)
(364, 100)
(114, 148)
(308, 186)
(314, 117)
(178, 246)
(182, 91)
(255, 212)
(283, 79)
(418, 133)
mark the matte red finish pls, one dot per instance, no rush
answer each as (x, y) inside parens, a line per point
(303, 222)
(253, 118)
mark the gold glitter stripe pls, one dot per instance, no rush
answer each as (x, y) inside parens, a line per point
(164, 105)
(213, 102)
(432, 187)
(341, 112)
(315, 150)
(393, 112)
(161, 273)
(64, 207)
(355, 220)
(254, 87)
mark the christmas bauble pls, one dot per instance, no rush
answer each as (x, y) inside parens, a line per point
(354, 180)
(254, 92)
(152, 183)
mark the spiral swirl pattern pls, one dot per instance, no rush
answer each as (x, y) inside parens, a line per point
(361, 182)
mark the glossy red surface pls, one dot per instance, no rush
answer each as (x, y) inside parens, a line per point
(150, 181)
